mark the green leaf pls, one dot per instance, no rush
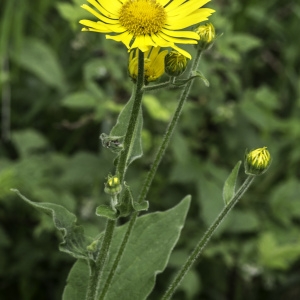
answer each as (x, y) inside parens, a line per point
(202, 77)
(120, 128)
(155, 108)
(74, 241)
(229, 185)
(80, 100)
(147, 253)
(28, 141)
(106, 212)
(38, 58)
(77, 281)
(242, 222)
(275, 255)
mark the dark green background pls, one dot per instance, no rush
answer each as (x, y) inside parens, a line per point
(64, 87)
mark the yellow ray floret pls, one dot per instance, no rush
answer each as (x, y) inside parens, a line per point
(145, 23)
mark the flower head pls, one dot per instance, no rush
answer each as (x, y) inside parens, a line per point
(207, 36)
(144, 23)
(257, 161)
(175, 63)
(154, 66)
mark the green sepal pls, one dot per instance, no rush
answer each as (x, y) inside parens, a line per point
(229, 185)
(144, 205)
(74, 242)
(107, 212)
(127, 205)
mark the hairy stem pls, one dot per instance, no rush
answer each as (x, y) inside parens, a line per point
(169, 132)
(204, 240)
(151, 174)
(119, 255)
(128, 140)
(97, 268)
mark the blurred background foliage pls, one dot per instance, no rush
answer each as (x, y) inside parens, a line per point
(61, 88)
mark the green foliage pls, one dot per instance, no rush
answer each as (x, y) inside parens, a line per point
(119, 129)
(229, 185)
(77, 281)
(74, 241)
(68, 88)
(138, 258)
(38, 58)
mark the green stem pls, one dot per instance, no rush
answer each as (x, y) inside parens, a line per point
(97, 268)
(119, 255)
(169, 132)
(155, 87)
(121, 170)
(128, 140)
(208, 234)
(151, 174)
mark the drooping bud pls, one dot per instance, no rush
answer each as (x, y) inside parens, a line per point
(113, 185)
(175, 63)
(207, 36)
(257, 161)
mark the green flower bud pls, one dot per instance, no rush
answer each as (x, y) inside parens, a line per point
(257, 161)
(207, 36)
(175, 63)
(113, 185)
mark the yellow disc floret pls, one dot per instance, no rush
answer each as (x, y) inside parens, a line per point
(142, 16)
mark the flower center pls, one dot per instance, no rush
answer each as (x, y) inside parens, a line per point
(142, 16)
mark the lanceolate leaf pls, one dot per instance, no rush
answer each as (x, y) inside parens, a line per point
(147, 253)
(120, 129)
(229, 185)
(74, 241)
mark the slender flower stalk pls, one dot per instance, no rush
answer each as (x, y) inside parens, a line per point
(169, 131)
(151, 174)
(121, 167)
(207, 236)
(97, 269)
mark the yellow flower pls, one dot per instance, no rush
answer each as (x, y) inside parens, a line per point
(257, 161)
(154, 66)
(144, 23)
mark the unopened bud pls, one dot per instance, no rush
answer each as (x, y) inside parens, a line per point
(113, 186)
(257, 161)
(207, 36)
(175, 63)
